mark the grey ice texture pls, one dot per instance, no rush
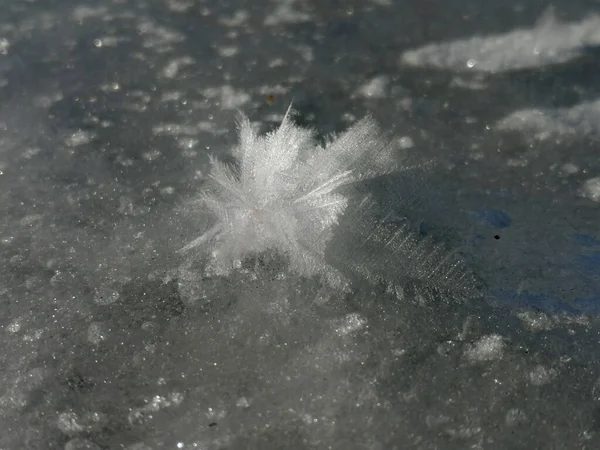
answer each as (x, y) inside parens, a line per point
(111, 339)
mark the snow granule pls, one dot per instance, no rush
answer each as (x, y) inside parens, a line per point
(487, 348)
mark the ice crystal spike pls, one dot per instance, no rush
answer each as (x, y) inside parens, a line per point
(385, 251)
(284, 193)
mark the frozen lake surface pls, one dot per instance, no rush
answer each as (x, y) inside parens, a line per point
(448, 299)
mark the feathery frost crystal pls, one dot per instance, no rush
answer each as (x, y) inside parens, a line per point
(284, 192)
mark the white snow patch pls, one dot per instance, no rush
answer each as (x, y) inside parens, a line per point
(110, 87)
(549, 42)
(228, 51)
(145, 413)
(487, 348)
(405, 142)
(569, 169)
(285, 13)
(227, 97)
(96, 333)
(239, 18)
(14, 326)
(473, 84)
(81, 444)
(536, 321)
(152, 155)
(349, 324)
(72, 423)
(157, 37)
(173, 67)
(109, 41)
(4, 46)
(180, 6)
(242, 402)
(540, 375)
(581, 119)
(78, 138)
(591, 189)
(374, 88)
(81, 13)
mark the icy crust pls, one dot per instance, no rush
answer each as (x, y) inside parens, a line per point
(286, 193)
(251, 362)
(545, 123)
(311, 368)
(549, 42)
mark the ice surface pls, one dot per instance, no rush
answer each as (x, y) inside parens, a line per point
(110, 339)
(549, 42)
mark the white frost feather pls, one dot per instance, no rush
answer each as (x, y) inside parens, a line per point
(284, 193)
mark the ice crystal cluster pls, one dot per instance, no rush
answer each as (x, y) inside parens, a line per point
(286, 193)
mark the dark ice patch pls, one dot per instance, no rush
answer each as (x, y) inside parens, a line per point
(493, 217)
(584, 240)
(589, 262)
